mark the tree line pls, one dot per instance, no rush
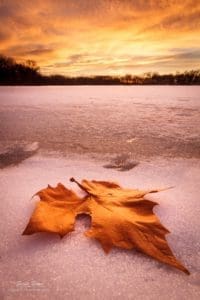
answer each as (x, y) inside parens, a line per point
(28, 73)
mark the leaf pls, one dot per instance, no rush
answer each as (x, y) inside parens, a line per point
(56, 212)
(120, 218)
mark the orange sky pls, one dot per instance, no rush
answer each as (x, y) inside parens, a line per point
(90, 37)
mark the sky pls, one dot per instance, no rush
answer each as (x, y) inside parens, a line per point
(102, 37)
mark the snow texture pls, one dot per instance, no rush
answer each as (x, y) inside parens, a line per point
(43, 266)
(140, 137)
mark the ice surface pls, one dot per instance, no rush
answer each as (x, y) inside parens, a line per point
(42, 266)
(136, 120)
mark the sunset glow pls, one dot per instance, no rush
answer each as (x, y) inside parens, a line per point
(90, 37)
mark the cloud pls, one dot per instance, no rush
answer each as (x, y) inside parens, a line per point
(7, 10)
(38, 51)
(185, 21)
(188, 54)
(29, 50)
(99, 36)
(4, 36)
(71, 60)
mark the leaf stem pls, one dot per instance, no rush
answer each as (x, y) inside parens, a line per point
(72, 179)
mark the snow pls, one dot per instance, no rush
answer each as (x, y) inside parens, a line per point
(49, 134)
(42, 266)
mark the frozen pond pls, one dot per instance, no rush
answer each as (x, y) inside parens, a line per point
(49, 134)
(133, 120)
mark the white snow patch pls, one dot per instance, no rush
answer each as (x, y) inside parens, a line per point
(42, 266)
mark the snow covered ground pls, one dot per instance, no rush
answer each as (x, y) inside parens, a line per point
(48, 135)
(42, 266)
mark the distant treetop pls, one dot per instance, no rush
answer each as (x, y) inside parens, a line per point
(28, 73)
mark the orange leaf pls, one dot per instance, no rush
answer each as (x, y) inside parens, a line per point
(56, 212)
(120, 218)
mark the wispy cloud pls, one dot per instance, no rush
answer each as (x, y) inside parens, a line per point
(102, 36)
(29, 49)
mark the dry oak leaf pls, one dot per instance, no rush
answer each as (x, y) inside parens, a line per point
(119, 218)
